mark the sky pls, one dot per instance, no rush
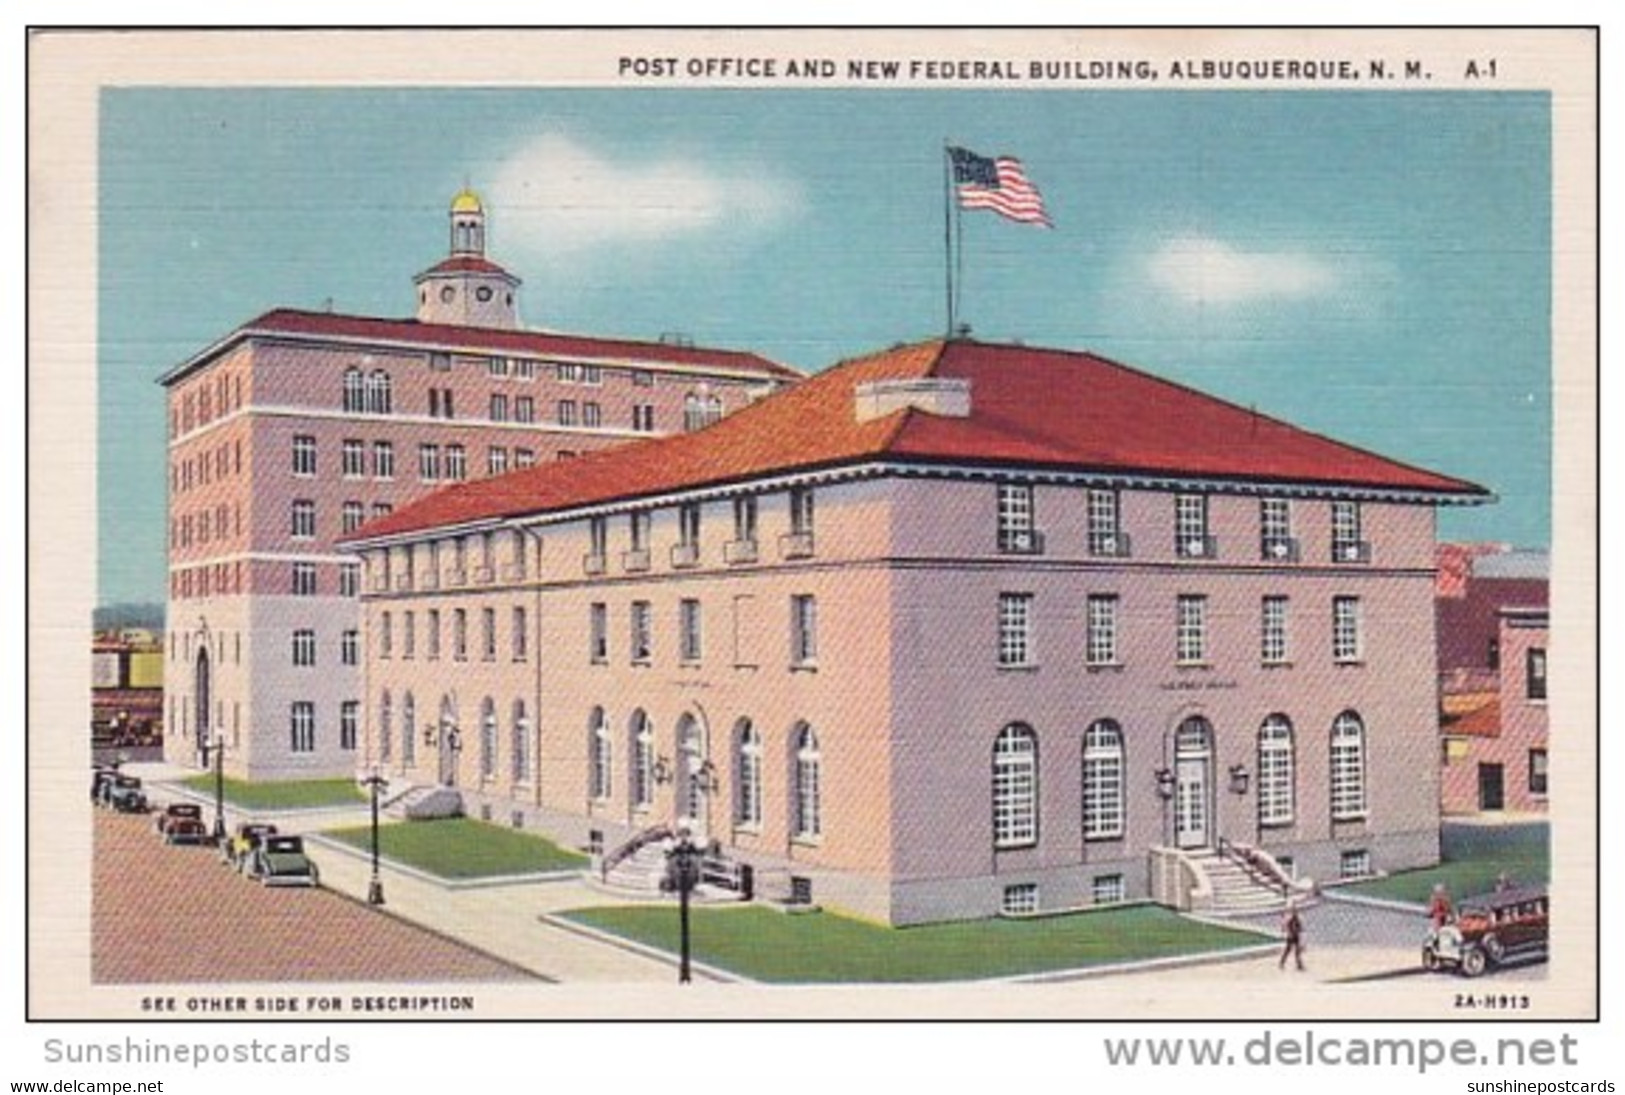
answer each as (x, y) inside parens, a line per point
(1374, 266)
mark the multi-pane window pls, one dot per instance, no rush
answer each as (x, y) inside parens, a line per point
(350, 647)
(598, 538)
(1191, 539)
(496, 366)
(386, 728)
(429, 463)
(440, 403)
(1348, 546)
(1103, 803)
(354, 392)
(524, 458)
(1348, 768)
(381, 509)
(524, 369)
(643, 760)
(379, 395)
(748, 765)
(524, 409)
(304, 454)
(499, 408)
(1537, 771)
(688, 524)
(689, 629)
(801, 511)
(521, 635)
(567, 412)
(304, 647)
(521, 743)
(1535, 673)
(1191, 629)
(353, 460)
(409, 634)
(456, 463)
(488, 738)
(431, 633)
(349, 724)
(1101, 645)
(598, 633)
(351, 515)
(643, 417)
(386, 635)
(1273, 633)
(1275, 771)
(602, 752)
(642, 648)
(807, 821)
(1015, 787)
(459, 634)
(1016, 531)
(1354, 864)
(1275, 530)
(1015, 629)
(304, 579)
(643, 378)
(745, 519)
(488, 634)
(303, 519)
(1345, 629)
(383, 460)
(302, 727)
(496, 460)
(803, 629)
(592, 415)
(349, 579)
(1107, 889)
(638, 529)
(1106, 535)
(1019, 899)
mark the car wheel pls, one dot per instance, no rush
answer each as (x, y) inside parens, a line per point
(1494, 947)
(1474, 962)
(1430, 960)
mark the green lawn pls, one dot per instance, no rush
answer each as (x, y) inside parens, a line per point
(288, 795)
(462, 848)
(1474, 857)
(771, 946)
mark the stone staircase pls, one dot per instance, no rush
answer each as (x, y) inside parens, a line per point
(642, 872)
(1231, 886)
(426, 802)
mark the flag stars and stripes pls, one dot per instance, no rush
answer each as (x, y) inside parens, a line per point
(997, 183)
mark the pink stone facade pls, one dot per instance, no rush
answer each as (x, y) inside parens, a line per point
(1497, 762)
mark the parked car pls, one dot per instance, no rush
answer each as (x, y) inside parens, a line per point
(281, 861)
(182, 823)
(1495, 929)
(238, 851)
(100, 777)
(124, 794)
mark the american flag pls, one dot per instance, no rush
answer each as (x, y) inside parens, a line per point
(999, 184)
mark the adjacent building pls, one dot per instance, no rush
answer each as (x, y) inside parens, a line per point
(126, 691)
(947, 631)
(298, 427)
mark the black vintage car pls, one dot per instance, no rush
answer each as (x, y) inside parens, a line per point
(100, 777)
(281, 861)
(124, 794)
(238, 851)
(182, 823)
(1496, 929)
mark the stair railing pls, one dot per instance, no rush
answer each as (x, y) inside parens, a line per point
(1258, 865)
(638, 841)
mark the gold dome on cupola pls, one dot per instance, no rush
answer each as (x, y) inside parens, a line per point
(467, 201)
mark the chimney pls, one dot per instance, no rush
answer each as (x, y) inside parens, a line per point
(948, 398)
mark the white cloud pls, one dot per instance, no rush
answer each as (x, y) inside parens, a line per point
(1199, 270)
(561, 197)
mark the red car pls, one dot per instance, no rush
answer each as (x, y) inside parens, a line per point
(182, 823)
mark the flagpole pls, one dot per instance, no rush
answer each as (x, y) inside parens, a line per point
(948, 232)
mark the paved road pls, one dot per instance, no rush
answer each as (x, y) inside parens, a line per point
(176, 914)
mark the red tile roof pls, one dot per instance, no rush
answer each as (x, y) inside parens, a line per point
(1481, 722)
(465, 264)
(1032, 408)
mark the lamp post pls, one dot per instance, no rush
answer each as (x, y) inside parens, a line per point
(219, 789)
(683, 870)
(376, 782)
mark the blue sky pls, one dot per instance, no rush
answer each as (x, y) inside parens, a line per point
(1374, 266)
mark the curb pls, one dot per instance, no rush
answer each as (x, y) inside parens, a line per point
(643, 950)
(1384, 903)
(444, 936)
(1180, 961)
(455, 884)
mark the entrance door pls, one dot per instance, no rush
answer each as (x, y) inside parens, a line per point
(692, 773)
(449, 743)
(1491, 787)
(1190, 803)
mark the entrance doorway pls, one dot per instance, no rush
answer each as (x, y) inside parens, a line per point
(1491, 787)
(202, 689)
(1193, 784)
(693, 776)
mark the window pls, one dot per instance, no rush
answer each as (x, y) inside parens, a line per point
(1276, 776)
(386, 728)
(456, 463)
(524, 369)
(1020, 899)
(303, 519)
(429, 463)
(1273, 635)
(689, 628)
(688, 524)
(1016, 533)
(349, 579)
(1015, 629)
(643, 760)
(597, 541)
(1354, 864)
(354, 458)
(409, 732)
(637, 523)
(432, 633)
(1015, 787)
(748, 766)
(1537, 771)
(1101, 646)
(643, 417)
(524, 458)
(304, 647)
(499, 408)
(1103, 804)
(602, 752)
(304, 455)
(803, 629)
(745, 519)
(591, 374)
(524, 409)
(801, 511)
(459, 634)
(693, 413)
(1107, 889)
(349, 724)
(440, 403)
(351, 515)
(379, 398)
(304, 579)
(1347, 544)
(1348, 768)
(496, 460)
(350, 647)
(521, 635)
(488, 739)
(1275, 531)
(496, 366)
(1191, 630)
(642, 378)
(642, 649)
(598, 633)
(1535, 673)
(354, 392)
(383, 460)
(1346, 629)
(409, 634)
(567, 412)
(302, 727)
(807, 822)
(381, 509)
(1105, 524)
(386, 635)
(521, 743)
(1191, 539)
(488, 634)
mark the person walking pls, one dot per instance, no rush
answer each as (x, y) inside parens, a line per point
(1292, 930)
(1439, 907)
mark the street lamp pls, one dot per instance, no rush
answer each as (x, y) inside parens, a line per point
(683, 873)
(376, 782)
(219, 789)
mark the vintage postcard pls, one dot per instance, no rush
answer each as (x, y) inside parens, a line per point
(1085, 524)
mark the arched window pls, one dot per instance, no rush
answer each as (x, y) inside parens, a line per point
(1103, 781)
(1348, 768)
(1276, 779)
(748, 765)
(409, 732)
(386, 728)
(1015, 787)
(521, 743)
(693, 412)
(488, 738)
(807, 820)
(643, 759)
(354, 400)
(601, 752)
(379, 396)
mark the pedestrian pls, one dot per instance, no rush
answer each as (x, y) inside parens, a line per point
(1439, 907)
(1292, 929)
